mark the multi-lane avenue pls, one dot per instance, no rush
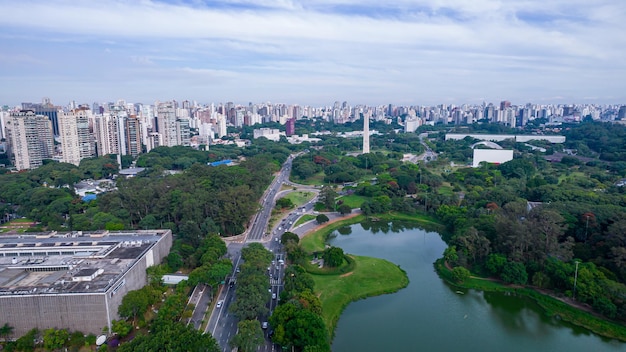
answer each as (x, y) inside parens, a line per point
(222, 324)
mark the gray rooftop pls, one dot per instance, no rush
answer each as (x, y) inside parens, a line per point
(73, 262)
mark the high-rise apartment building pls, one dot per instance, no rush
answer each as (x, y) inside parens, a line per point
(290, 127)
(76, 140)
(153, 140)
(46, 109)
(106, 132)
(183, 132)
(621, 114)
(133, 136)
(4, 116)
(166, 124)
(30, 139)
(118, 133)
(221, 126)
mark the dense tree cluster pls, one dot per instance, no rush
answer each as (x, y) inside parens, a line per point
(297, 321)
(252, 296)
(252, 283)
(171, 336)
(210, 266)
(529, 221)
(333, 257)
(49, 339)
(598, 140)
(167, 332)
(338, 168)
(526, 221)
(284, 203)
(45, 194)
(288, 237)
(199, 200)
(249, 336)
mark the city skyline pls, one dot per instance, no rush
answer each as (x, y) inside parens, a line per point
(401, 52)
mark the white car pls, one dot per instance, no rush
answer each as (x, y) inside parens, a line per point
(273, 296)
(264, 325)
(219, 304)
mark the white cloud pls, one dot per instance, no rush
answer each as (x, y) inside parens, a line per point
(404, 48)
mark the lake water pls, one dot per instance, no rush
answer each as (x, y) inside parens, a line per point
(429, 315)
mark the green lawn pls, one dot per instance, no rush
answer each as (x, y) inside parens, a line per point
(371, 277)
(317, 179)
(16, 225)
(300, 197)
(18, 221)
(445, 190)
(425, 221)
(573, 175)
(297, 198)
(315, 241)
(304, 218)
(353, 200)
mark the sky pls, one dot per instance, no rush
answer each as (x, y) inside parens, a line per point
(314, 52)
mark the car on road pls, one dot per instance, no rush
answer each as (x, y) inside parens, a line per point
(273, 296)
(264, 325)
(219, 304)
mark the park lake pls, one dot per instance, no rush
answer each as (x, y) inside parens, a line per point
(430, 315)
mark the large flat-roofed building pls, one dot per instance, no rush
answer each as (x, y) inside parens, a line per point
(494, 156)
(502, 137)
(74, 280)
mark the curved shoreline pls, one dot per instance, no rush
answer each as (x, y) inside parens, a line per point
(374, 276)
(551, 305)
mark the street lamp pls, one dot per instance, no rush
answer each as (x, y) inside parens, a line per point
(575, 279)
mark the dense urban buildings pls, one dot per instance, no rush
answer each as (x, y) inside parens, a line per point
(76, 138)
(122, 128)
(74, 280)
(29, 138)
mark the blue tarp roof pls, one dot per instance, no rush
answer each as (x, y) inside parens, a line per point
(221, 162)
(89, 197)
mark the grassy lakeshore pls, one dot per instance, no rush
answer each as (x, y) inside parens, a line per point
(315, 241)
(370, 277)
(552, 306)
(366, 277)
